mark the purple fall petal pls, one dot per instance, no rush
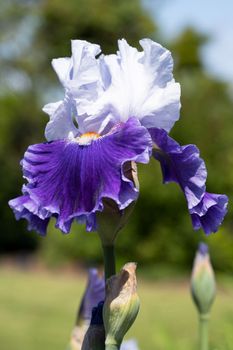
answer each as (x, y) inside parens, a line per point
(183, 165)
(94, 294)
(210, 212)
(69, 181)
(25, 208)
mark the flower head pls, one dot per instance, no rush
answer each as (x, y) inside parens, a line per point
(124, 105)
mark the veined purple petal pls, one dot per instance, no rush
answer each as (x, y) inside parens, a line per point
(94, 294)
(69, 180)
(25, 208)
(210, 212)
(183, 165)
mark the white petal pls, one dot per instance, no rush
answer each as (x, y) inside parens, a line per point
(157, 61)
(62, 67)
(81, 68)
(50, 108)
(79, 76)
(61, 124)
(161, 109)
(136, 84)
(84, 62)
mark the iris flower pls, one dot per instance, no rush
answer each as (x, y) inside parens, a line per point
(116, 109)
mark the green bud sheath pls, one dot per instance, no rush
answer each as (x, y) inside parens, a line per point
(203, 285)
(203, 290)
(121, 306)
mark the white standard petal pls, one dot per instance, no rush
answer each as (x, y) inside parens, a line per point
(79, 76)
(62, 67)
(81, 68)
(85, 68)
(60, 125)
(85, 79)
(138, 84)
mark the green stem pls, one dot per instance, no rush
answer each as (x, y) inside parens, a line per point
(204, 331)
(109, 261)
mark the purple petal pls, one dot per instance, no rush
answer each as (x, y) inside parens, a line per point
(210, 212)
(97, 315)
(25, 208)
(203, 249)
(69, 180)
(94, 294)
(183, 165)
(129, 345)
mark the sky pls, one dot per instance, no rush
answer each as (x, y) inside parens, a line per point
(213, 17)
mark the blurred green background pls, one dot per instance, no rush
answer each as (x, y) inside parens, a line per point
(36, 306)
(38, 312)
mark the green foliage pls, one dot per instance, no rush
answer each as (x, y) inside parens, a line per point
(19, 125)
(102, 21)
(77, 246)
(186, 49)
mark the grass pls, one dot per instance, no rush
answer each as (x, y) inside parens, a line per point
(37, 311)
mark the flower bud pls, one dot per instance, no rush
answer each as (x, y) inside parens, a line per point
(121, 305)
(203, 286)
